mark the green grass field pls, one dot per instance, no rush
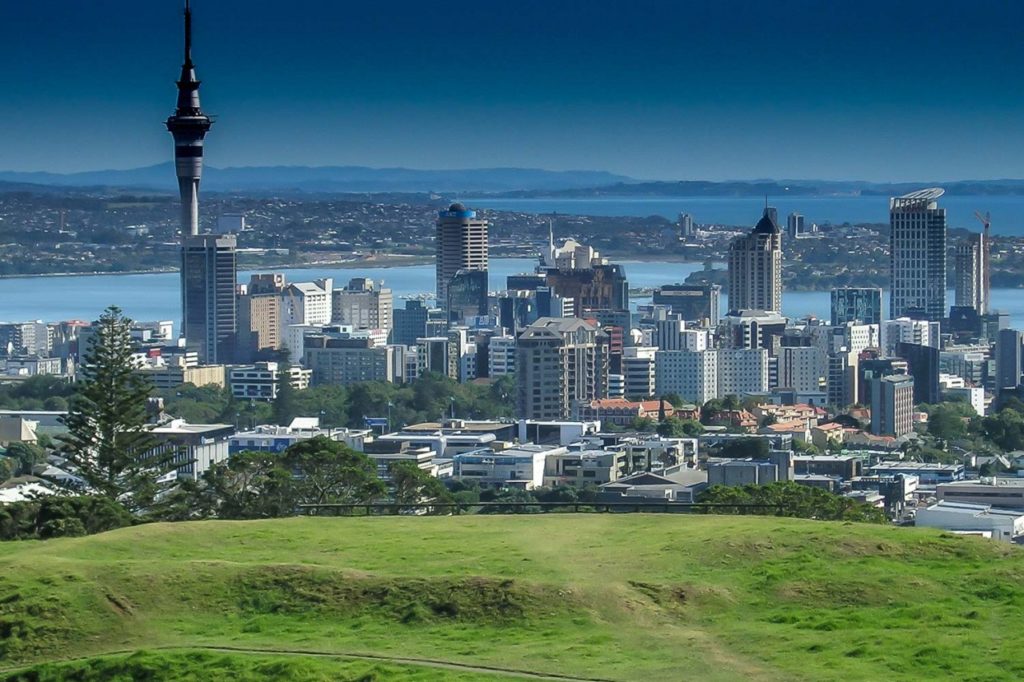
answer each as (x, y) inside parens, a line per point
(591, 596)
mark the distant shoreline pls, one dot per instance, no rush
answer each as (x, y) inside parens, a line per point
(383, 262)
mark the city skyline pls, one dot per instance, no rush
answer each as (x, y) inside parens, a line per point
(688, 91)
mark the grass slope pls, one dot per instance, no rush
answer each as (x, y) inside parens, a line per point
(614, 597)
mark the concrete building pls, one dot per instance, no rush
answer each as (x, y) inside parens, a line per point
(860, 305)
(686, 226)
(892, 406)
(197, 447)
(461, 244)
(801, 368)
(521, 466)
(972, 272)
(755, 268)
(1003, 493)
(928, 473)
(638, 370)
(261, 380)
(742, 371)
(341, 359)
(307, 303)
(172, 376)
(363, 304)
(691, 375)
(559, 361)
(585, 467)
(1005, 525)
(917, 256)
(274, 438)
(259, 316)
(906, 330)
(501, 356)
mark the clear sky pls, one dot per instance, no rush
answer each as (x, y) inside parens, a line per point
(669, 89)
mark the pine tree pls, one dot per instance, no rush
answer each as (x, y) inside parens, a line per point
(284, 402)
(108, 442)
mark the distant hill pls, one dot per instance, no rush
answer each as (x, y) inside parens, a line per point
(772, 188)
(328, 179)
(580, 597)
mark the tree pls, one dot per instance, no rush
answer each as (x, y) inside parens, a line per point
(643, 425)
(108, 441)
(745, 448)
(674, 427)
(27, 456)
(331, 472)
(674, 399)
(788, 499)
(413, 485)
(1005, 429)
(250, 485)
(284, 403)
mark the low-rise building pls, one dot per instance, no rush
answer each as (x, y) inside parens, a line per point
(973, 519)
(521, 466)
(261, 380)
(825, 465)
(622, 412)
(172, 376)
(927, 473)
(586, 467)
(196, 447)
(274, 438)
(1004, 493)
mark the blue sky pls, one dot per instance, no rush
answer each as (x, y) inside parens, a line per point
(669, 89)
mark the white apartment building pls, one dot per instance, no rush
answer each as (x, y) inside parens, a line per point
(693, 375)
(906, 330)
(501, 357)
(307, 303)
(638, 370)
(260, 381)
(742, 370)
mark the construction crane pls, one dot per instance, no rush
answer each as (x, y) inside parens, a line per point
(986, 220)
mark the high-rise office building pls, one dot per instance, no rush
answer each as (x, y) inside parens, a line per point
(794, 225)
(755, 267)
(209, 271)
(467, 295)
(558, 362)
(259, 316)
(923, 365)
(686, 228)
(693, 302)
(364, 304)
(1009, 360)
(971, 271)
(917, 255)
(892, 406)
(461, 245)
(862, 305)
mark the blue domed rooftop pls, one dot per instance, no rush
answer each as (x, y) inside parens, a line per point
(767, 224)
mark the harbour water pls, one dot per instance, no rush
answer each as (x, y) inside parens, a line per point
(156, 296)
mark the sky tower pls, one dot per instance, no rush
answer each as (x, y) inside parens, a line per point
(189, 126)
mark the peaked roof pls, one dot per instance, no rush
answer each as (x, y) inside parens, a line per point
(766, 225)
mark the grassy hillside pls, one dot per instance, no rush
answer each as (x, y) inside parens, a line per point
(610, 597)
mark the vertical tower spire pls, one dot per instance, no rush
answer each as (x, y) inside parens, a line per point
(188, 34)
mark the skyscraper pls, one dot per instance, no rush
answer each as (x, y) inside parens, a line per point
(917, 255)
(755, 267)
(686, 228)
(1009, 359)
(862, 305)
(209, 272)
(558, 362)
(972, 272)
(794, 225)
(461, 245)
(695, 302)
(208, 262)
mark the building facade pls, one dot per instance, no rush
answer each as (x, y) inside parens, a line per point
(558, 362)
(861, 305)
(461, 244)
(971, 272)
(917, 256)
(755, 267)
